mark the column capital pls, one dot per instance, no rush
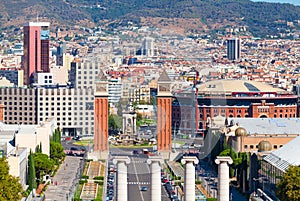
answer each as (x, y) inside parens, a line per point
(186, 159)
(153, 159)
(223, 159)
(118, 159)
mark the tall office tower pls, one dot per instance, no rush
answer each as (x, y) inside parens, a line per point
(61, 50)
(233, 49)
(36, 49)
(164, 113)
(148, 47)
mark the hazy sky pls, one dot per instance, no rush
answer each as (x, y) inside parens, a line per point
(295, 2)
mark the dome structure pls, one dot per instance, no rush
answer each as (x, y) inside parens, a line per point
(264, 146)
(240, 132)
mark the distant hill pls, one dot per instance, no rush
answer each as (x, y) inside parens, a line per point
(191, 15)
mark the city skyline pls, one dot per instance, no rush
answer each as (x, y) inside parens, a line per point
(130, 112)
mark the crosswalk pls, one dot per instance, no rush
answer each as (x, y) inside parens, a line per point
(140, 161)
(138, 183)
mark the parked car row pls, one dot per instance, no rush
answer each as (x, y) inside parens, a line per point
(110, 183)
(169, 188)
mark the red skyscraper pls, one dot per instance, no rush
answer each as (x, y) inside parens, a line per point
(36, 49)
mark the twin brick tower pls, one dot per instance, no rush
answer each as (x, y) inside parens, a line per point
(164, 116)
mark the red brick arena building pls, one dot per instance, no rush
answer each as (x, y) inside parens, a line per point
(231, 98)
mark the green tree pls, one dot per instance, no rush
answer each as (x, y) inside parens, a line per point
(139, 116)
(115, 121)
(38, 148)
(56, 136)
(111, 122)
(10, 187)
(289, 186)
(56, 152)
(43, 164)
(31, 172)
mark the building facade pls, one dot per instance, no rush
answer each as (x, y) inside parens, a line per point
(73, 109)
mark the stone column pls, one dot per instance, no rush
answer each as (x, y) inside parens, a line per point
(121, 191)
(155, 170)
(223, 177)
(189, 177)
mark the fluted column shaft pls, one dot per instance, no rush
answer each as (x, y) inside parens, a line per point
(155, 181)
(189, 177)
(223, 178)
(122, 190)
(155, 163)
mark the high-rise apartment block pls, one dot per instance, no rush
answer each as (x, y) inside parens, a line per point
(148, 47)
(36, 49)
(234, 49)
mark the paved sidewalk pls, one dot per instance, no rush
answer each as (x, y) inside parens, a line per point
(66, 180)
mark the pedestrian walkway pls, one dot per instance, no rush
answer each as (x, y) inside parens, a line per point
(176, 168)
(89, 191)
(94, 169)
(65, 181)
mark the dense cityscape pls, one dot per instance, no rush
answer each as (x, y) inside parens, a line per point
(138, 112)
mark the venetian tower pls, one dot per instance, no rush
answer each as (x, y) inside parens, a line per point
(101, 117)
(164, 114)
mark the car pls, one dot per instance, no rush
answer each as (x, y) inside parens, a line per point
(185, 146)
(135, 151)
(144, 188)
(165, 180)
(197, 145)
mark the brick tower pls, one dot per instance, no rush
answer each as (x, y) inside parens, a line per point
(164, 113)
(101, 116)
(2, 106)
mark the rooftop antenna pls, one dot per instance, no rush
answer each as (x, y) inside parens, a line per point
(37, 17)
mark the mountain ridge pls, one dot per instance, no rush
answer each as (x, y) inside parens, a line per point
(261, 17)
